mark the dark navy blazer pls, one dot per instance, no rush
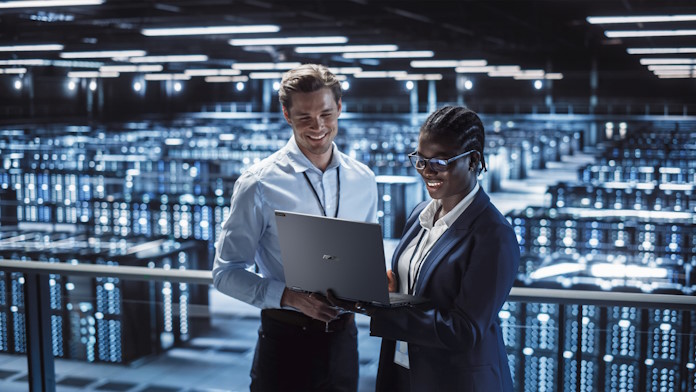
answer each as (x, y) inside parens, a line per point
(457, 344)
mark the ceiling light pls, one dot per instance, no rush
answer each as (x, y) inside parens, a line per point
(210, 30)
(660, 50)
(92, 74)
(639, 19)
(18, 84)
(132, 68)
(164, 76)
(648, 33)
(667, 61)
(169, 59)
(103, 54)
(92, 85)
(473, 69)
(288, 41)
(419, 77)
(48, 3)
(538, 84)
(265, 66)
(448, 63)
(31, 48)
(553, 76)
(13, 71)
(667, 67)
(346, 48)
(212, 72)
(345, 70)
(389, 55)
(226, 79)
(265, 75)
(680, 76)
(345, 85)
(380, 74)
(55, 63)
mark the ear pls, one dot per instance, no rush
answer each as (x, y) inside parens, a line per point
(340, 106)
(474, 162)
(286, 114)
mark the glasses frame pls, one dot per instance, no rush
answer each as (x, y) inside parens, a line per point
(415, 158)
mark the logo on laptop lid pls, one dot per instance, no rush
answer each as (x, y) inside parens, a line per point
(330, 258)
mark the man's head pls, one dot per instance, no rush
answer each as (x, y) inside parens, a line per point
(307, 78)
(311, 99)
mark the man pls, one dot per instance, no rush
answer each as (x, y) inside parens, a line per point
(304, 344)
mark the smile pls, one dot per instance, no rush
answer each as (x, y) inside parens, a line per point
(317, 137)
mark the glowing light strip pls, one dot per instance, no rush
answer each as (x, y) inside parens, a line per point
(288, 41)
(48, 3)
(264, 66)
(132, 68)
(212, 72)
(31, 48)
(639, 19)
(346, 48)
(207, 30)
(103, 54)
(648, 33)
(169, 59)
(389, 55)
(660, 50)
(448, 63)
(666, 61)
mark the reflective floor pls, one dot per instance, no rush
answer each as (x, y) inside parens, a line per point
(220, 359)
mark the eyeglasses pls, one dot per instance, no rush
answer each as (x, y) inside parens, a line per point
(438, 165)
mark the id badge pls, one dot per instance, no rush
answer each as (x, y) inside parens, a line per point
(401, 354)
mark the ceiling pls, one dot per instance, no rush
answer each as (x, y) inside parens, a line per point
(549, 35)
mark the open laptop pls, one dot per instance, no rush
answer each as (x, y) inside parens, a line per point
(321, 253)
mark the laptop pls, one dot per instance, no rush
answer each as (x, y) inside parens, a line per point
(321, 253)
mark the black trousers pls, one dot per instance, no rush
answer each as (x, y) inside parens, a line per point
(295, 358)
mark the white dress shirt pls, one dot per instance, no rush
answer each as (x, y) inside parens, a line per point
(249, 235)
(429, 233)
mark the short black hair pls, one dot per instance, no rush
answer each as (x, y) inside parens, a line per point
(460, 125)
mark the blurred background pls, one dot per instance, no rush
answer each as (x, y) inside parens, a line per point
(124, 125)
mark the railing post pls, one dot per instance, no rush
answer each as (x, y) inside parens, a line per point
(42, 376)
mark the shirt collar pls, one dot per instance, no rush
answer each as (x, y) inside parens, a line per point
(299, 161)
(426, 216)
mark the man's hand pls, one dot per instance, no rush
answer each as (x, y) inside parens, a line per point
(350, 306)
(391, 279)
(313, 305)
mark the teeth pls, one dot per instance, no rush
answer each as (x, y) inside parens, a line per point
(432, 183)
(316, 137)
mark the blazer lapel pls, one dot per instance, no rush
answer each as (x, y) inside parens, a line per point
(408, 236)
(453, 236)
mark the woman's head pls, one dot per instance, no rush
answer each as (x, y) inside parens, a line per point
(461, 127)
(449, 156)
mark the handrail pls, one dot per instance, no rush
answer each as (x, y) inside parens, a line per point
(100, 270)
(520, 294)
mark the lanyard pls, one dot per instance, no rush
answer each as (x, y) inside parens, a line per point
(412, 284)
(316, 195)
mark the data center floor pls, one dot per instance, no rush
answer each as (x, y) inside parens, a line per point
(220, 359)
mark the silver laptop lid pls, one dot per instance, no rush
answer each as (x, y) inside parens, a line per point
(321, 253)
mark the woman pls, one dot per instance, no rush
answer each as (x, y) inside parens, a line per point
(458, 251)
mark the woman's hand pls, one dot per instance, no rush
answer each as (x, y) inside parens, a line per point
(391, 279)
(349, 306)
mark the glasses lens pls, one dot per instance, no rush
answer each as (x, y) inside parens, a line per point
(438, 165)
(417, 162)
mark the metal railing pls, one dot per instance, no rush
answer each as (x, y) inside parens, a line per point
(40, 362)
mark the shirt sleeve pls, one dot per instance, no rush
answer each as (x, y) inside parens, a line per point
(237, 245)
(372, 209)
